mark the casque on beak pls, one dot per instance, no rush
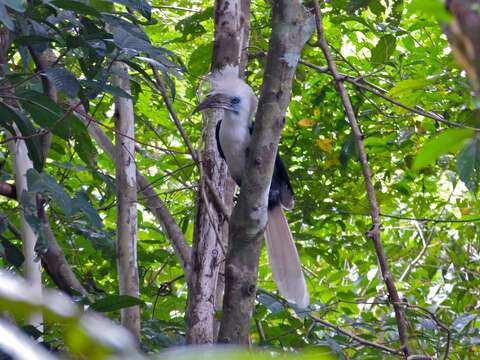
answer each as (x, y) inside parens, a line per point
(216, 101)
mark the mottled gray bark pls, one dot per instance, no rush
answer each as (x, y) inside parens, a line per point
(126, 189)
(464, 36)
(231, 23)
(291, 28)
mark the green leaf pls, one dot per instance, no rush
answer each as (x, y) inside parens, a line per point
(33, 40)
(384, 49)
(48, 186)
(63, 80)
(6, 19)
(447, 141)
(46, 113)
(115, 302)
(81, 202)
(142, 6)
(468, 164)
(431, 8)
(127, 35)
(349, 150)
(76, 6)
(355, 5)
(462, 321)
(17, 5)
(12, 254)
(200, 59)
(8, 116)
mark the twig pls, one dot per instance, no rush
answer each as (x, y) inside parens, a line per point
(360, 82)
(438, 322)
(179, 8)
(374, 233)
(260, 330)
(90, 118)
(355, 337)
(400, 217)
(168, 103)
(161, 87)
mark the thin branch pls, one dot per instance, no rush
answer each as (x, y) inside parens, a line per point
(160, 84)
(168, 103)
(439, 323)
(360, 82)
(91, 119)
(374, 233)
(357, 338)
(179, 8)
(401, 217)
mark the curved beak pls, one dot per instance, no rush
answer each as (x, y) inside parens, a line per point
(216, 101)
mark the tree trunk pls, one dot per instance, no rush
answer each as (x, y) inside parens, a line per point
(31, 265)
(21, 164)
(291, 28)
(231, 21)
(126, 185)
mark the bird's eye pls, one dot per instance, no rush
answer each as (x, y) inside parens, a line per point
(235, 100)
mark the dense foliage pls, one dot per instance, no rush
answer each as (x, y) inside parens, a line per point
(426, 172)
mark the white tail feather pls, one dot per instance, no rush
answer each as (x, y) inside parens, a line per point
(283, 258)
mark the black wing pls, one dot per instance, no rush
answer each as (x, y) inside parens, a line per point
(281, 191)
(217, 137)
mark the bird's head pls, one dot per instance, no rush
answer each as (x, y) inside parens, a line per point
(230, 93)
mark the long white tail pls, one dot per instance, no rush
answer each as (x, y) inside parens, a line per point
(283, 258)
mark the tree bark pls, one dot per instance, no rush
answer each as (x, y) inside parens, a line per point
(31, 267)
(231, 20)
(464, 37)
(126, 188)
(291, 28)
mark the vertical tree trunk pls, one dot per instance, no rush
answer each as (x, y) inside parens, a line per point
(291, 28)
(31, 267)
(21, 164)
(126, 185)
(231, 20)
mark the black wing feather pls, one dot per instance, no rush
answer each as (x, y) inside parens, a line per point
(281, 191)
(217, 137)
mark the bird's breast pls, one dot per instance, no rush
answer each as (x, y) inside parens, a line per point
(235, 141)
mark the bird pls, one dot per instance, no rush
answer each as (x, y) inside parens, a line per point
(233, 134)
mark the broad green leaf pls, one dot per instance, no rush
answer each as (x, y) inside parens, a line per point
(355, 5)
(63, 80)
(12, 254)
(8, 116)
(468, 164)
(46, 113)
(81, 202)
(200, 59)
(17, 5)
(77, 6)
(5, 18)
(406, 86)
(48, 186)
(434, 8)
(115, 302)
(384, 49)
(447, 141)
(462, 321)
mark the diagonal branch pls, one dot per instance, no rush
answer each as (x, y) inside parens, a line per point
(374, 233)
(151, 198)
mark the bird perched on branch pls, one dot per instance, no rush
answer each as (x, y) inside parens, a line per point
(233, 134)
